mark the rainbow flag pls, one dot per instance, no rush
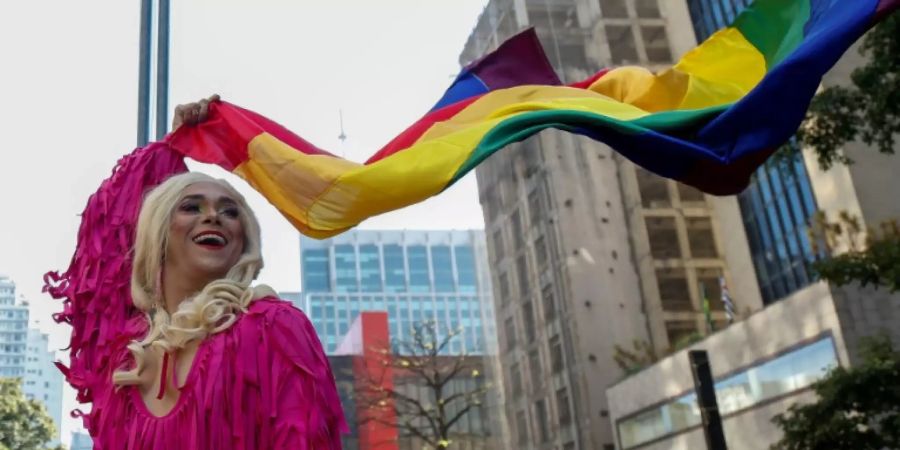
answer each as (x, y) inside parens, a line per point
(707, 121)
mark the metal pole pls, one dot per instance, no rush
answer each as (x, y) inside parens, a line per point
(144, 75)
(706, 399)
(162, 71)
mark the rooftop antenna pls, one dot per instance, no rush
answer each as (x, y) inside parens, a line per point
(342, 136)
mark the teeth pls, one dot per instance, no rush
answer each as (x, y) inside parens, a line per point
(210, 237)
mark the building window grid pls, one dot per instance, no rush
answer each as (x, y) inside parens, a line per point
(773, 212)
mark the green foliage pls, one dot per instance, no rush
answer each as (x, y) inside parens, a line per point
(24, 424)
(636, 359)
(858, 408)
(874, 260)
(869, 110)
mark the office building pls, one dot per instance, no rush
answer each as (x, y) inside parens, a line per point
(413, 275)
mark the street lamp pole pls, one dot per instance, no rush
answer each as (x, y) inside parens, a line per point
(145, 76)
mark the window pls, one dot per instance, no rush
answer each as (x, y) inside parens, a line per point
(785, 374)
(540, 251)
(709, 280)
(653, 188)
(504, 288)
(528, 317)
(540, 415)
(510, 328)
(515, 376)
(517, 229)
(522, 269)
(498, 245)
(522, 427)
(534, 363)
(648, 9)
(443, 268)
(316, 274)
(663, 237)
(562, 406)
(656, 43)
(679, 330)
(613, 9)
(394, 272)
(621, 44)
(417, 260)
(345, 268)
(690, 194)
(370, 268)
(556, 355)
(534, 207)
(549, 302)
(700, 237)
(673, 289)
(465, 269)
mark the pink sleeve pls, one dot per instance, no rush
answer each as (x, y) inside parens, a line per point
(307, 413)
(95, 289)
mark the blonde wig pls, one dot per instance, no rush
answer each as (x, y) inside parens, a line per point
(213, 309)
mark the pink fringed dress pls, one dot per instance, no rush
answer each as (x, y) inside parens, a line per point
(264, 383)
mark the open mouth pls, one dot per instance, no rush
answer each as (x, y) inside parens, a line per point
(211, 240)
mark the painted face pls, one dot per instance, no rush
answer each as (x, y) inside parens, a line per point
(206, 236)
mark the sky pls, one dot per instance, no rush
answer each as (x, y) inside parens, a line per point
(68, 102)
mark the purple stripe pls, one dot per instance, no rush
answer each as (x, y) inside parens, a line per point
(518, 61)
(884, 8)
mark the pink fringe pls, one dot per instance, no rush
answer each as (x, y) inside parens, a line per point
(95, 289)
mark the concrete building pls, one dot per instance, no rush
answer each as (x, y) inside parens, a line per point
(413, 275)
(13, 330)
(43, 381)
(588, 251)
(761, 366)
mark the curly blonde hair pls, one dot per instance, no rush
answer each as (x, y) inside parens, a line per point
(215, 308)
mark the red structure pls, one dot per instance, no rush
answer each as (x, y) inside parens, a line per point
(368, 344)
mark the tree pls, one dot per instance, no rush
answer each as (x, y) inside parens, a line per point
(449, 387)
(858, 408)
(870, 258)
(24, 424)
(868, 110)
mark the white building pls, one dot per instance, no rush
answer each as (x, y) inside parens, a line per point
(13, 330)
(42, 380)
(81, 441)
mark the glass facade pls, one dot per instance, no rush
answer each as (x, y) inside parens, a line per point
(785, 374)
(414, 276)
(778, 206)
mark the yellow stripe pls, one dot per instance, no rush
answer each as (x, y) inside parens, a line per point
(722, 70)
(640, 87)
(506, 103)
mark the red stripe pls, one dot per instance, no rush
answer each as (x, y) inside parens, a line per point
(586, 83)
(413, 133)
(223, 138)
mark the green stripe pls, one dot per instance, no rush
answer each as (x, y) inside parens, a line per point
(522, 126)
(774, 27)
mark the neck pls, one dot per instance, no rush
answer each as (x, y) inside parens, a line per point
(177, 287)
